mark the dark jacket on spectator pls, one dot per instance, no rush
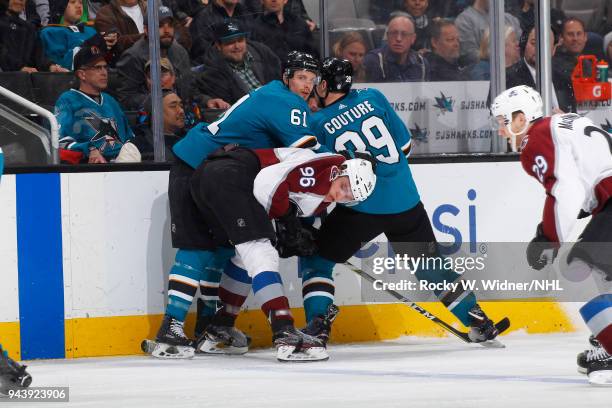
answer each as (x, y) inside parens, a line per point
(203, 21)
(112, 17)
(382, 66)
(518, 74)
(292, 34)
(132, 90)
(219, 81)
(144, 142)
(20, 45)
(563, 63)
(293, 6)
(442, 70)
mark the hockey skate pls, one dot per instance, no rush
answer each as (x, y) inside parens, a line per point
(219, 339)
(171, 341)
(320, 326)
(12, 374)
(293, 345)
(482, 329)
(587, 355)
(599, 367)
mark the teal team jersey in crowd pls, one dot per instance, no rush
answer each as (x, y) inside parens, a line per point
(85, 123)
(271, 116)
(364, 120)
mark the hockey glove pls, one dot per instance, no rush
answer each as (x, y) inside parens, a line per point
(541, 251)
(291, 237)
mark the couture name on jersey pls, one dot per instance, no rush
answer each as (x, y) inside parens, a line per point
(348, 116)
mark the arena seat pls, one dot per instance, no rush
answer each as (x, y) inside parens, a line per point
(19, 83)
(48, 86)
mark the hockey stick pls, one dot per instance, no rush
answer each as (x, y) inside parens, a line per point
(501, 326)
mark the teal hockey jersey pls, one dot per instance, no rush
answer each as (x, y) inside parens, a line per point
(271, 116)
(364, 120)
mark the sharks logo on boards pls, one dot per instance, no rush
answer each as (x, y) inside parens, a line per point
(418, 134)
(444, 103)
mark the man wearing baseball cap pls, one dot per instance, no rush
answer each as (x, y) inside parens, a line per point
(92, 125)
(132, 90)
(235, 65)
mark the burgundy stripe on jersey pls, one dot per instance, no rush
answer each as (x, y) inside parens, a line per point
(538, 160)
(605, 338)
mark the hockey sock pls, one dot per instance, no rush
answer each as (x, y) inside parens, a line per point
(209, 281)
(183, 280)
(459, 302)
(268, 288)
(317, 285)
(233, 291)
(597, 314)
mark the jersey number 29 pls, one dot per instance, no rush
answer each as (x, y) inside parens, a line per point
(383, 140)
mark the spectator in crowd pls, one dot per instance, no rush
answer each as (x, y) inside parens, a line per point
(472, 23)
(204, 20)
(352, 47)
(167, 78)
(396, 61)
(418, 12)
(92, 7)
(524, 10)
(91, 122)
(174, 126)
(235, 66)
(444, 58)
(572, 43)
(295, 7)
(62, 41)
(132, 90)
(380, 10)
(524, 73)
(20, 46)
(482, 70)
(282, 31)
(42, 9)
(126, 17)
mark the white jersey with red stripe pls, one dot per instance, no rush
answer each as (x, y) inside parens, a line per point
(295, 175)
(572, 158)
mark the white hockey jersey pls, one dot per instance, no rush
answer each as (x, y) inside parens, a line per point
(572, 158)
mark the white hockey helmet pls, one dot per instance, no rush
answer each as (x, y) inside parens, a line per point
(361, 176)
(519, 98)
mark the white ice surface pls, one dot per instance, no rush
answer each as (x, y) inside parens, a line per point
(533, 371)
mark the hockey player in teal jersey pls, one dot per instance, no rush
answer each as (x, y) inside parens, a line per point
(275, 115)
(364, 120)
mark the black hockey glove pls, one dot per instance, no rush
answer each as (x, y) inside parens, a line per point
(541, 250)
(292, 239)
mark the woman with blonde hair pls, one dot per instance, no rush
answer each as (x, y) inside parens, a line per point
(481, 71)
(352, 47)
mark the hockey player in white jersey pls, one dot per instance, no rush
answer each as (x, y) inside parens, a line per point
(572, 158)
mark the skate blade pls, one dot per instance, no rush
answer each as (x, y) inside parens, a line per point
(288, 354)
(167, 351)
(492, 344)
(602, 378)
(581, 370)
(214, 347)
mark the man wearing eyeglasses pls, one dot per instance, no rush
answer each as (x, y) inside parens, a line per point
(93, 128)
(396, 61)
